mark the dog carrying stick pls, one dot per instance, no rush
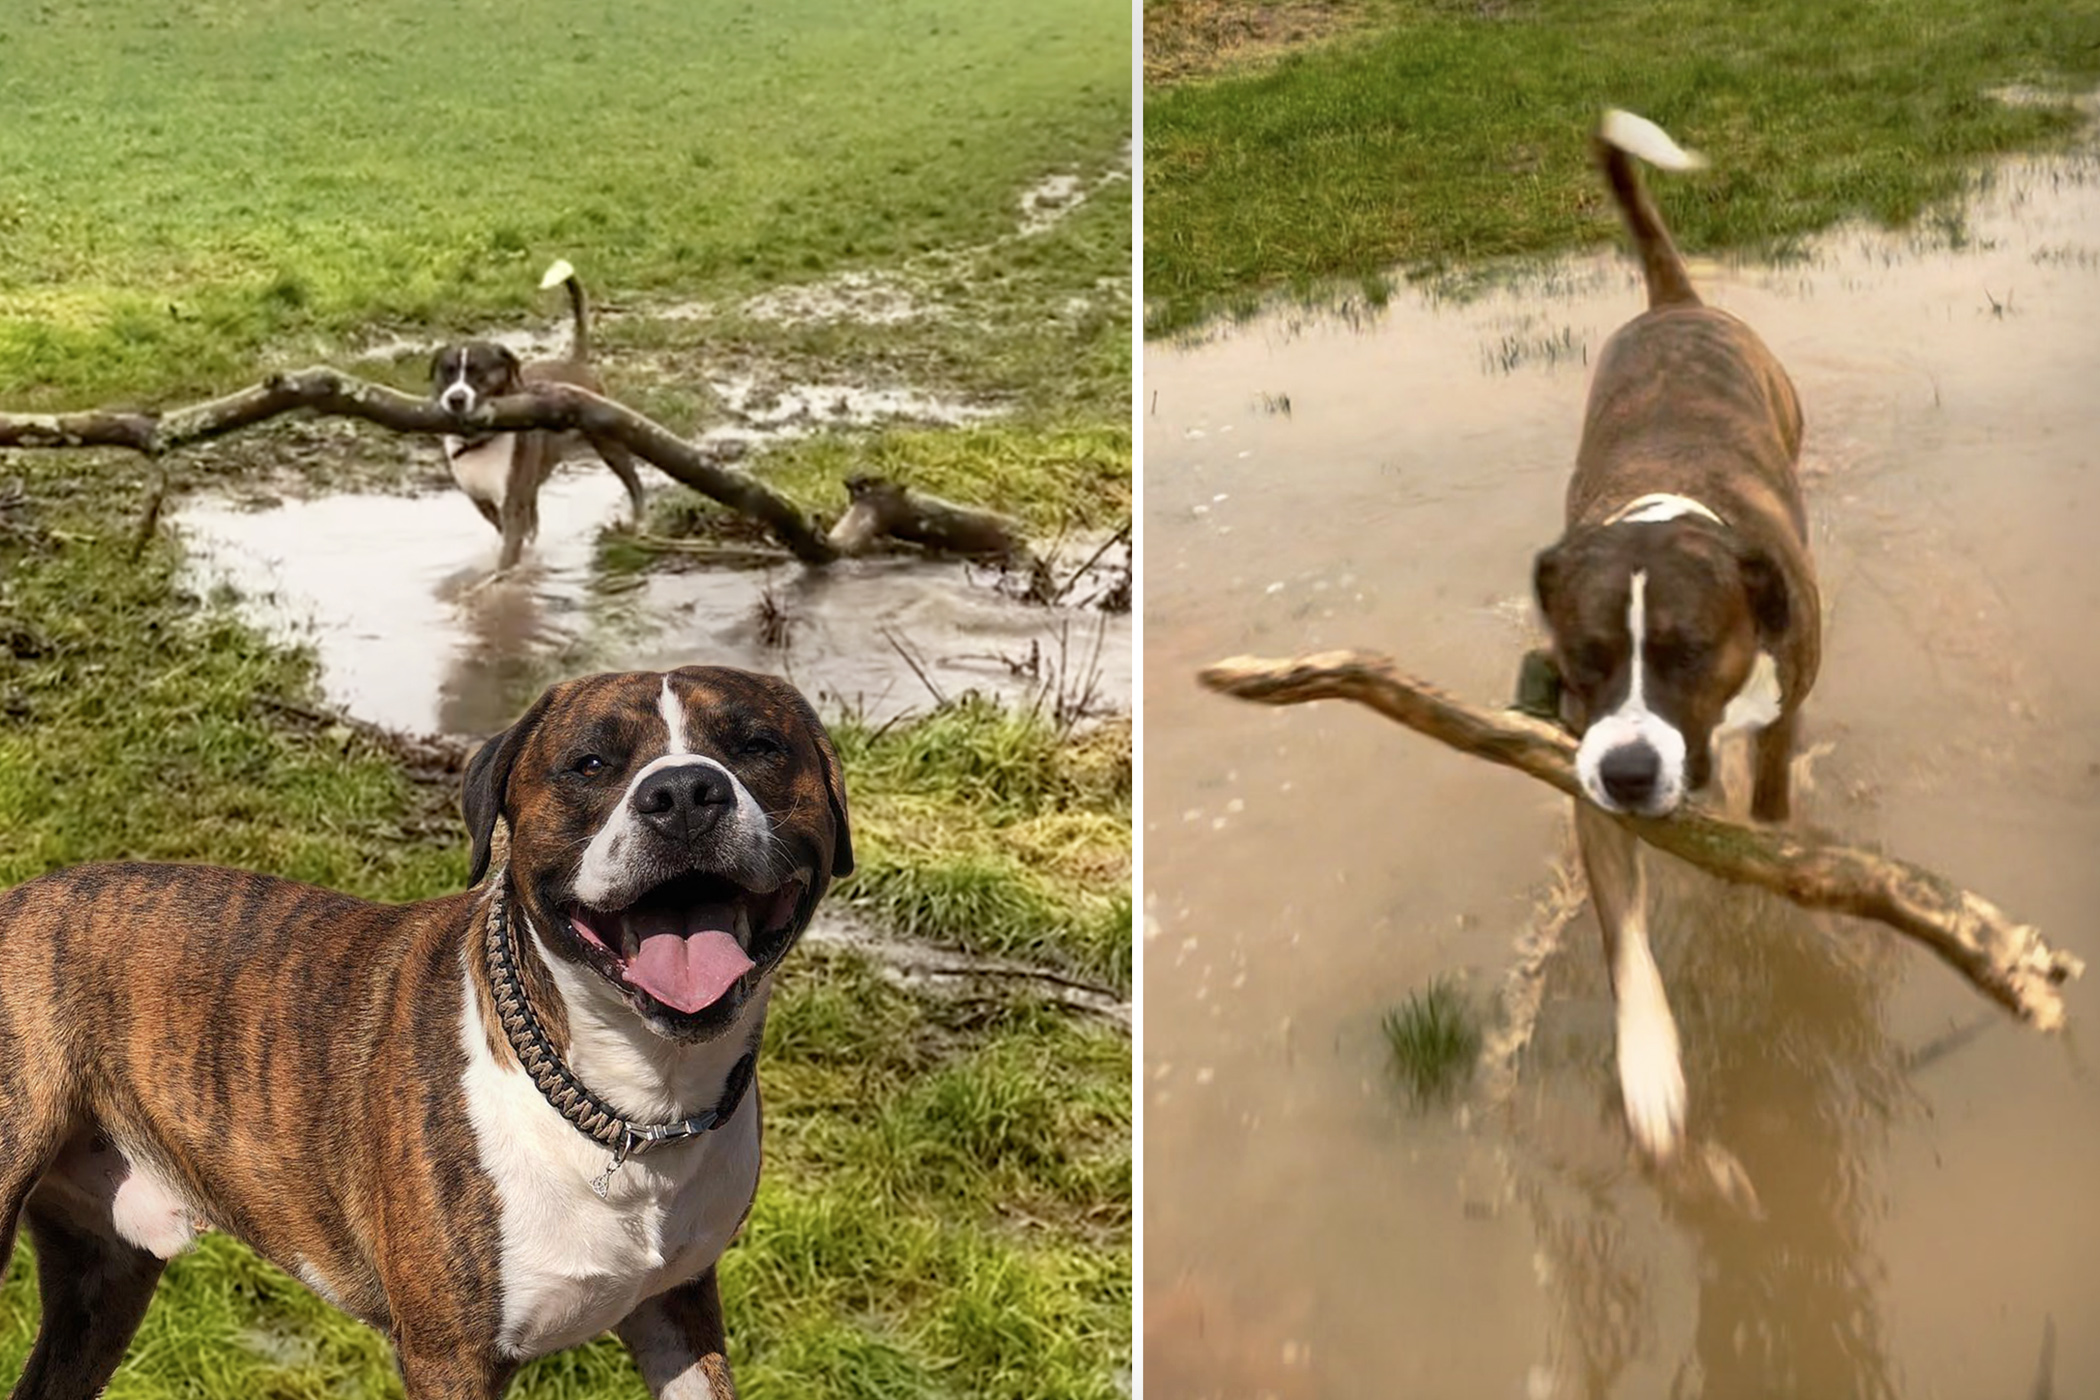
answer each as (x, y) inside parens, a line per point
(2007, 961)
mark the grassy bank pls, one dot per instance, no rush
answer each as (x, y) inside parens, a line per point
(1427, 133)
(946, 1200)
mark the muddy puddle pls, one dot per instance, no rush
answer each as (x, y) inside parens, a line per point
(394, 594)
(1912, 1209)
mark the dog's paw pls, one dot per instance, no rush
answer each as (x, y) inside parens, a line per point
(1651, 1077)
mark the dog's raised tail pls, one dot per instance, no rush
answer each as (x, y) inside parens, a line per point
(559, 273)
(1622, 136)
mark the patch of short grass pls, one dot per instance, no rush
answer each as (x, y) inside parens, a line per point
(1456, 132)
(1434, 1040)
(1188, 40)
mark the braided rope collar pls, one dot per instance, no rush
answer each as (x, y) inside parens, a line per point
(586, 1112)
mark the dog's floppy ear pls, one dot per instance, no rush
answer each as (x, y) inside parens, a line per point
(834, 788)
(1765, 583)
(488, 781)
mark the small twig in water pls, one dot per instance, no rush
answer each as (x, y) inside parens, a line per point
(898, 645)
(1122, 534)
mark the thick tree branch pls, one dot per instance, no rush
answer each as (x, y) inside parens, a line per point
(2007, 961)
(327, 391)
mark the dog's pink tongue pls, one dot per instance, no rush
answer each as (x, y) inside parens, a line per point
(688, 972)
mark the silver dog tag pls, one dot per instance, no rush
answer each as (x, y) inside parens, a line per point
(603, 1180)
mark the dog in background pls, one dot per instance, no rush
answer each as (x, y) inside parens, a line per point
(1681, 599)
(502, 472)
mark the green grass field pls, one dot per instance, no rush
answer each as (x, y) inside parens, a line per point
(188, 191)
(1429, 132)
(192, 195)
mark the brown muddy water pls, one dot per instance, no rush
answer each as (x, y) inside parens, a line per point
(395, 595)
(1922, 1209)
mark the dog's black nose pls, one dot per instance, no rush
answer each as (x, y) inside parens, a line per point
(684, 800)
(456, 400)
(1630, 773)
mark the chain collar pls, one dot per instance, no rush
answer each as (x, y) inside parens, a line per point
(586, 1112)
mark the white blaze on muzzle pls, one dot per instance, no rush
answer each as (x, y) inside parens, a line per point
(1633, 724)
(459, 396)
(685, 950)
(607, 873)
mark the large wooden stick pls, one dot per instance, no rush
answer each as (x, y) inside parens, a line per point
(2006, 961)
(328, 391)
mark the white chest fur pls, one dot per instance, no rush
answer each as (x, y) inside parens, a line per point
(482, 471)
(574, 1265)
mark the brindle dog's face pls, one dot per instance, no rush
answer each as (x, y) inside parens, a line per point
(464, 376)
(671, 832)
(1656, 627)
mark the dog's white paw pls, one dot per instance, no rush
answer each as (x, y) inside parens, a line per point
(1651, 1077)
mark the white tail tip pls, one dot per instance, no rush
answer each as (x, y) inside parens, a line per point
(559, 270)
(1637, 136)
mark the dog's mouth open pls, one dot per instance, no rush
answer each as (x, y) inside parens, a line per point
(687, 942)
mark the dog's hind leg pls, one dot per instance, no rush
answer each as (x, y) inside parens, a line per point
(622, 463)
(33, 1105)
(95, 1291)
(1651, 1076)
(680, 1343)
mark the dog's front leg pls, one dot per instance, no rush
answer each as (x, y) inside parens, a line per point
(1651, 1076)
(519, 514)
(680, 1343)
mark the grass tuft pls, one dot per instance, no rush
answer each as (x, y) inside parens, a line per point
(1434, 1038)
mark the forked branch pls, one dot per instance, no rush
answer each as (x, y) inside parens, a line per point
(2007, 961)
(331, 392)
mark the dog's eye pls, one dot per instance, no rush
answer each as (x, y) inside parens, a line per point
(590, 765)
(762, 746)
(1679, 653)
